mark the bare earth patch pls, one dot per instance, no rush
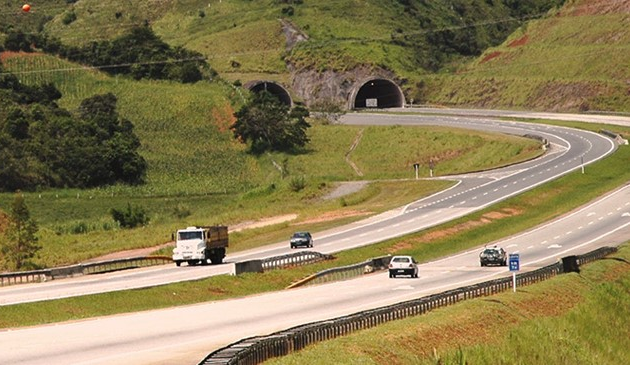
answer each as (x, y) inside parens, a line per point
(598, 7)
(334, 215)
(262, 222)
(519, 42)
(438, 234)
(4, 221)
(491, 56)
(10, 54)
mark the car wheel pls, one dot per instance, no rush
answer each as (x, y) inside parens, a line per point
(482, 264)
(415, 275)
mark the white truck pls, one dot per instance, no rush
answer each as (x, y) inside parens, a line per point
(198, 244)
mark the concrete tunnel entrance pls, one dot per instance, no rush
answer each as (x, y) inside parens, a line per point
(275, 89)
(378, 93)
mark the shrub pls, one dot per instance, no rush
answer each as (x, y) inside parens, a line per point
(69, 18)
(133, 217)
(181, 211)
(79, 228)
(288, 10)
(297, 183)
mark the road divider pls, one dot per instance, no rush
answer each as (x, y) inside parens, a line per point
(344, 272)
(100, 267)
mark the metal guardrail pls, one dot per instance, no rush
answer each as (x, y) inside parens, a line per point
(81, 269)
(344, 272)
(255, 350)
(35, 276)
(595, 255)
(616, 136)
(294, 259)
(543, 141)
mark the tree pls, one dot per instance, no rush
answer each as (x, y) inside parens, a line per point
(20, 242)
(268, 125)
(117, 149)
(43, 145)
(18, 41)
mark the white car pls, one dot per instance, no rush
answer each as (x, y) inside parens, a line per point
(403, 265)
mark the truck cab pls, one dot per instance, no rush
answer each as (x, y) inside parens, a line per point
(197, 245)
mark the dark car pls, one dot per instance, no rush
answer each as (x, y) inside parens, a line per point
(493, 256)
(301, 239)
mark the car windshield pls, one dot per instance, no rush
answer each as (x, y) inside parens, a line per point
(491, 251)
(401, 259)
(189, 235)
(300, 235)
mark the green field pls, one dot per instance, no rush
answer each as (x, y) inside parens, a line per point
(569, 58)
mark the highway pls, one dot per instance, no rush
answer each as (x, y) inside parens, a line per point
(570, 150)
(186, 334)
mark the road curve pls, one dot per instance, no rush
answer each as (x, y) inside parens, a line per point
(570, 150)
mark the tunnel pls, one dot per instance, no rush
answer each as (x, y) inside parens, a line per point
(378, 93)
(274, 88)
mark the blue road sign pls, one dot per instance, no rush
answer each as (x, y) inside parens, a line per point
(514, 262)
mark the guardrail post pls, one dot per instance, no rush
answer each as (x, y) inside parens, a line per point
(570, 264)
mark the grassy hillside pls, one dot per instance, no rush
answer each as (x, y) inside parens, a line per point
(198, 173)
(167, 116)
(246, 37)
(572, 60)
(568, 59)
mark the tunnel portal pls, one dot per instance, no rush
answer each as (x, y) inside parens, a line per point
(378, 93)
(275, 89)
